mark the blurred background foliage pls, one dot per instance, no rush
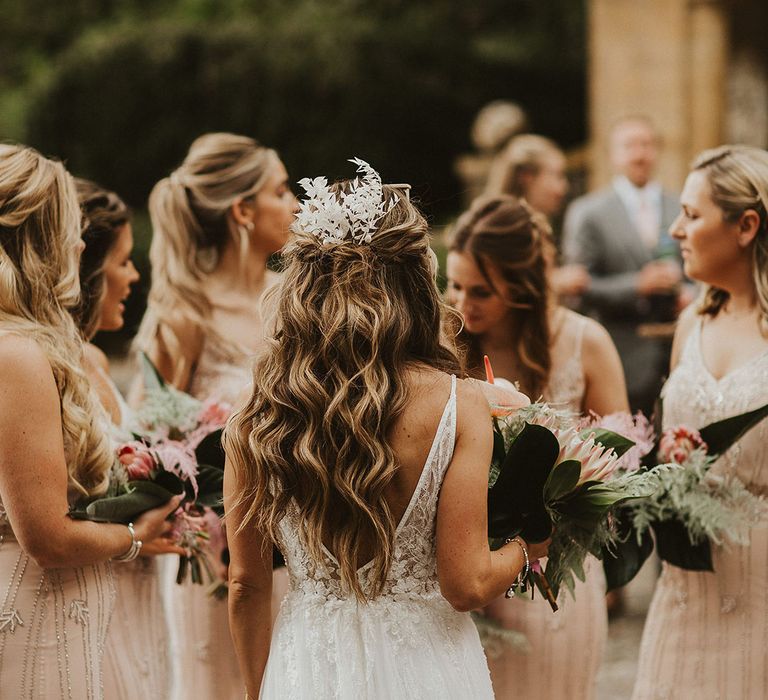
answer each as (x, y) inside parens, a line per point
(119, 88)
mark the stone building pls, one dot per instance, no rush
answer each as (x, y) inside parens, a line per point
(698, 68)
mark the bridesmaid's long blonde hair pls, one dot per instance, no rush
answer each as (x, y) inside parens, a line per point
(39, 236)
(191, 224)
(350, 320)
(738, 178)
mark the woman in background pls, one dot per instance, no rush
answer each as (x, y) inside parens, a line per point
(136, 663)
(55, 573)
(216, 221)
(705, 635)
(533, 168)
(498, 279)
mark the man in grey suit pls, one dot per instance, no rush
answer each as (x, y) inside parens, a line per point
(621, 235)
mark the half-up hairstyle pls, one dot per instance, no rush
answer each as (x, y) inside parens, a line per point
(39, 238)
(104, 215)
(191, 224)
(522, 157)
(738, 179)
(350, 320)
(504, 232)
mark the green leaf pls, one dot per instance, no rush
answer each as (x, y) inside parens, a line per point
(609, 440)
(623, 559)
(499, 449)
(562, 480)
(673, 545)
(210, 450)
(720, 435)
(516, 501)
(152, 377)
(143, 496)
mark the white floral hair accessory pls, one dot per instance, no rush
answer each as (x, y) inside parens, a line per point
(346, 216)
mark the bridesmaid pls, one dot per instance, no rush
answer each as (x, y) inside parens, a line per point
(55, 575)
(497, 273)
(216, 221)
(533, 168)
(136, 663)
(706, 634)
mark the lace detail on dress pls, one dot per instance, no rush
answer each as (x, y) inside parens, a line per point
(566, 385)
(221, 373)
(327, 641)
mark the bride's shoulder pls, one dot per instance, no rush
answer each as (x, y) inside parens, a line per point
(26, 376)
(21, 354)
(685, 324)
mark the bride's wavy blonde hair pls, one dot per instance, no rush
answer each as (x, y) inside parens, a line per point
(350, 320)
(191, 224)
(39, 235)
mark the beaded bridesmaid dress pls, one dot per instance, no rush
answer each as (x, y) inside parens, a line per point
(563, 650)
(706, 634)
(206, 664)
(53, 625)
(136, 658)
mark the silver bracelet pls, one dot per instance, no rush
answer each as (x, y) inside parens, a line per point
(133, 550)
(521, 577)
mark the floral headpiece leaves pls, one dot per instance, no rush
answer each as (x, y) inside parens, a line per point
(346, 216)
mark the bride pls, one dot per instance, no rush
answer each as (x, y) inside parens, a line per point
(356, 425)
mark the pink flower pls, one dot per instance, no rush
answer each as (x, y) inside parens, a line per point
(214, 413)
(138, 460)
(678, 443)
(597, 463)
(636, 428)
(503, 398)
(178, 458)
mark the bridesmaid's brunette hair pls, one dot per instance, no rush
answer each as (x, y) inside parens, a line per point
(39, 248)
(503, 232)
(738, 179)
(191, 225)
(104, 215)
(314, 435)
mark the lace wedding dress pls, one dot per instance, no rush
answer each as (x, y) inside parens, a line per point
(407, 643)
(559, 654)
(706, 633)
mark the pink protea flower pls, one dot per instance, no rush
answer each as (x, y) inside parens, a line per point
(597, 463)
(503, 398)
(138, 460)
(678, 443)
(178, 458)
(637, 428)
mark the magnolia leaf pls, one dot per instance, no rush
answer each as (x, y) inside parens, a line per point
(673, 545)
(210, 450)
(516, 501)
(624, 558)
(608, 439)
(143, 496)
(152, 377)
(720, 435)
(499, 449)
(562, 480)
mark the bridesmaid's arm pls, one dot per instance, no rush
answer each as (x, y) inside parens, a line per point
(33, 471)
(250, 588)
(470, 574)
(606, 389)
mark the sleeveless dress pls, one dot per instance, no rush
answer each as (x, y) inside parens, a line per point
(407, 643)
(136, 663)
(206, 664)
(53, 625)
(563, 650)
(706, 634)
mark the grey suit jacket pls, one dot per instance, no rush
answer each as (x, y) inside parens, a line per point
(599, 234)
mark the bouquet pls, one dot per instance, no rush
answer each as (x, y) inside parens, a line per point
(693, 507)
(547, 474)
(176, 450)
